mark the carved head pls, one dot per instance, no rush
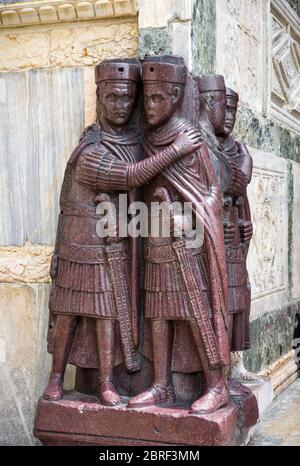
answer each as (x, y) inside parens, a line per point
(164, 80)
(231, 110)
(117, 90)
(212, 92)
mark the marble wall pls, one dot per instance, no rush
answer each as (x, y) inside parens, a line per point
(47, 97)
(296, 232)
(239, 51)
(38, 130)
(268, 259)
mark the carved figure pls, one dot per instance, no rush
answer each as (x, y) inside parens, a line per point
(212, 104)
(183, 284)
(95, 279)
(238, 232)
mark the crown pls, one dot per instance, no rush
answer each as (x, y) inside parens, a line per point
(166, 68)
(232, 94)
(210, 83)
(118, 70)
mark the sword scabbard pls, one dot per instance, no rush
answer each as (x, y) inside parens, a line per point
(118, 275)
(187, 263)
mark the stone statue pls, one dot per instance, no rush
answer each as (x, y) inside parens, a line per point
(183, 284)
(238, 232)
(212, 103)
(169, 355)
(95, 279)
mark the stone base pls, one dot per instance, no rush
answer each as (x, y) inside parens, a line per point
(263, 393)
(80, 420)
(282, 373)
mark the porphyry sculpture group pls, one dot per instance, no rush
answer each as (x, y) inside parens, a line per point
(161, 136)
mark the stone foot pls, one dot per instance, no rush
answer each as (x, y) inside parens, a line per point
(54, 390)
(108, 395)
(155, 395)
(215, 398)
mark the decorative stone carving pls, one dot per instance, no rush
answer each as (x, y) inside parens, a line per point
(62, 11)
(296, 235)
(27, 264)
(285, 95)
(267, 258)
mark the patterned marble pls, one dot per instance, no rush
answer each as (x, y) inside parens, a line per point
(42, 115)
(296, 233)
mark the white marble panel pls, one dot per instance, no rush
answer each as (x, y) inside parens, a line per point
(268, 254)
(296, 233)
(42, 116)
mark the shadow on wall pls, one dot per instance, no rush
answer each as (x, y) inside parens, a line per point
(296, 345)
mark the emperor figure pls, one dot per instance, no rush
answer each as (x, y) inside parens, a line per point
(182, 283)
(95, 279)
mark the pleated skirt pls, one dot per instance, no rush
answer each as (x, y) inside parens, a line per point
(165, 294)
(82, 289)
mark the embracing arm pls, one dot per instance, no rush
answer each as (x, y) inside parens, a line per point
(102, 171)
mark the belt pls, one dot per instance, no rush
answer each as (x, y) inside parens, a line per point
(68, 209)
(81, 254)
(164, 253)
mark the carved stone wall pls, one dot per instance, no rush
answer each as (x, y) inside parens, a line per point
(268, 261)
(285, 98)
(296, 232)
(57, 11)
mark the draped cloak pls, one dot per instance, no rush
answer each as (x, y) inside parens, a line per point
(84, 350)
(237, 208)
(193, 178)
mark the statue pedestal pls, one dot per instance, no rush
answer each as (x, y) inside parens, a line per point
(80, 420)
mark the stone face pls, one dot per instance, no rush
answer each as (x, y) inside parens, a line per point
(268, 257)
(67, 46)
(239, 48)
(296, 233)
(36, 152)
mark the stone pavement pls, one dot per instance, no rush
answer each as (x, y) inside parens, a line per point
(280, 424)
